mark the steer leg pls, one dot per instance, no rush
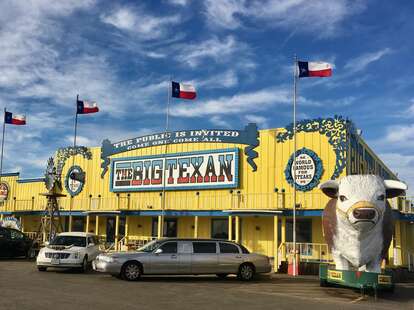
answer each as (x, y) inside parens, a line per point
(341, 262)
(373, 266)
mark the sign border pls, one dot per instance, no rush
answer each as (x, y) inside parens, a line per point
(318, 170)
(77, 192)
(198, 187)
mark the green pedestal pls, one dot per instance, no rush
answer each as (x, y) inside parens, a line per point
(355, 279)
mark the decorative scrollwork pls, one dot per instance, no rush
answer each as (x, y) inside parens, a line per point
(64, 153)
(335, 129)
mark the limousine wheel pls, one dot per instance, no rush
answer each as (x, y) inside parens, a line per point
(246, 272)
(131, 271)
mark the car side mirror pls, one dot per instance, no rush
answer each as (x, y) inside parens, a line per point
(91, 244)
(158, 251)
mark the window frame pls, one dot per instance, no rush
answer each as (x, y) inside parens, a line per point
(205, 242)
(229, 244)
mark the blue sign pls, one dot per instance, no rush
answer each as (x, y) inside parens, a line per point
(181, 171)
(309, 170)
(249, 136)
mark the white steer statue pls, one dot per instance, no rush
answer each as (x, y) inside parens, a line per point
(357, 221)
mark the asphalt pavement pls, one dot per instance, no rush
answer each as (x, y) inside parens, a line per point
(23, 287)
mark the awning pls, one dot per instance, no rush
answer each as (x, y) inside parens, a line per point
(253, 212)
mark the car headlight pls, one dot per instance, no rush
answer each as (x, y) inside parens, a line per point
(105, 258)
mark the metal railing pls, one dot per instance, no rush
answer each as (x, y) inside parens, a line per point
(309, 252)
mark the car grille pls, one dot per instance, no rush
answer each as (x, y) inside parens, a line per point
(57, 255)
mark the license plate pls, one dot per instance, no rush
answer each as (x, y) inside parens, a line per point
(55, 261)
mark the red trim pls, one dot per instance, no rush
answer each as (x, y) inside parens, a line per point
(18, 121)
(187, 95)
(90, 110)
(320, 73)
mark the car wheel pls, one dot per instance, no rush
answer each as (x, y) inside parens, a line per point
(85, 265)
(41, 268)
(246, 272)
(31, 253)
(131, 271)
(222, 275)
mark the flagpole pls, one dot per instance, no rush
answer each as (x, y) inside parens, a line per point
(294, 162)
(169, 93)
(2, 144)
(74, 145)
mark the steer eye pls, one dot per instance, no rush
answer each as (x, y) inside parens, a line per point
(342, 198)
(381, 197)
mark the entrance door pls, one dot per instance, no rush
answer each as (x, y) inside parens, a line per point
(110, 229)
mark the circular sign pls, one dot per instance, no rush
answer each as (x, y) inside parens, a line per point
(4, 191)
(308, 170)
(75, 180)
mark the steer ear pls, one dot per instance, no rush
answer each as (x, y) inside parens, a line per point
(330, 188)
(394, 188)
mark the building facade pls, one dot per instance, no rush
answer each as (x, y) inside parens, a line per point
(230, 184)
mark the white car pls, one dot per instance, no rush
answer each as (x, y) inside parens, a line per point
(69, 250)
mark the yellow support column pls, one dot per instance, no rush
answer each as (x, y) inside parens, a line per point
(97, 225)
(116, 231)
(159, 235)
(397, 244)
(283, 238)
(237, 237)
(87, 224)
(70, 223)
(1, 216)
(230, 227)
(196, 226)
(126, 229)
(22, 222)
(276, 243)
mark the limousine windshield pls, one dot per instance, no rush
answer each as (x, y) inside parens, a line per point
(150, 246)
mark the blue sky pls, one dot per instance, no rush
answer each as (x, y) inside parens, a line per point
(238, 54)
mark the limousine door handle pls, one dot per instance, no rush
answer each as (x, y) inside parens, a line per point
(173, 256)
(238, 256)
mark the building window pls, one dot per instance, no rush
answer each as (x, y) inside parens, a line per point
(78, 223)
(170, 227)
(303, 230)
(220, 228)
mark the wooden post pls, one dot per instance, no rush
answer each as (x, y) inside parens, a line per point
(97, 225)
(87, 223)
(230, 232)
(70, 223)
(276, 243)
(283, 237)
(237, 237)
(160, 233)
(126, 228)
(196, 226)
(116, 231)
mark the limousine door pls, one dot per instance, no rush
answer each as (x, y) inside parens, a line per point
(230, 258)
(185, 250)
(204, 259)
(165, 262)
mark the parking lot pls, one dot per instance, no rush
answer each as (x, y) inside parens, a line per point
(23, 287)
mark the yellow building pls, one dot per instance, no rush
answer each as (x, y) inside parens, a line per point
(231, 184)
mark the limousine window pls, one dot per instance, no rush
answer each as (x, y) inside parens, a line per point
(204, 247)
(228, 248)
(169, 248)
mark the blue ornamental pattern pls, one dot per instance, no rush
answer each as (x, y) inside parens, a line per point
(68, 189)
(335, 129)
(318, 170)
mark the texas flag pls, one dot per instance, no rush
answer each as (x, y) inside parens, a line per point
(14, 119)
(314, 69)
(86, 107)
(183, 91)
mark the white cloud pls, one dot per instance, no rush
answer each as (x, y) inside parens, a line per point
(225, 79)
(322, 18)
(236, 104)
(260, 120)
(179, 2)
(214, 48)
(400, 134)
(146, 26)
(219, 121)
(361, 62)
(402, 165)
